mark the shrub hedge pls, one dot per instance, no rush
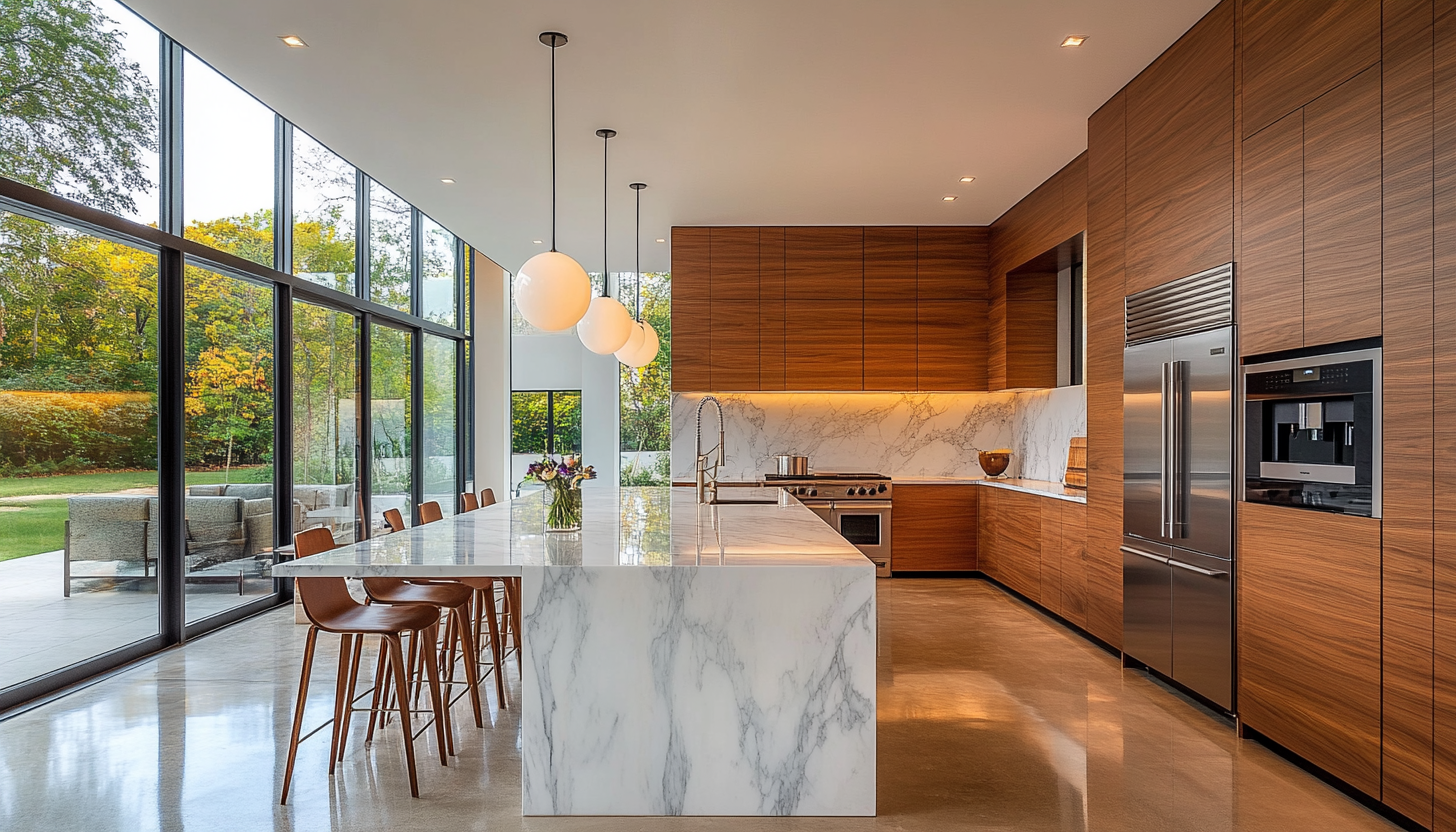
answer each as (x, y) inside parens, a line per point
(45, 432)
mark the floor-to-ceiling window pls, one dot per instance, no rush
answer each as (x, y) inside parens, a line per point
(325, 421)
(391, 387)
(646, 392)
(230, 502)
(438, 434)
(325, 198)
(543, 422)
(391, 237)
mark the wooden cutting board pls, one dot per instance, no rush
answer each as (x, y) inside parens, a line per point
(1076, 463)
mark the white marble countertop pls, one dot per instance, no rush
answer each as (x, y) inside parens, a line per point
(1042, 488)
(620, 527)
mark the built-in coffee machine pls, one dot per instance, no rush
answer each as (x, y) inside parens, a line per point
(1312, 432)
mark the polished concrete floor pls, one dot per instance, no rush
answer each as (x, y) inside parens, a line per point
(991, 717)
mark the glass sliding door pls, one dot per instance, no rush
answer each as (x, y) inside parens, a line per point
(438, 429)
(229, 442)
(325, 421)
(78, 447)
(391, 468)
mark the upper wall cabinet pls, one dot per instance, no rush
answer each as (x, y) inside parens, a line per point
(824, 262)
(1180, 156)
(1296, 52)
(951, 263)
(690, 309)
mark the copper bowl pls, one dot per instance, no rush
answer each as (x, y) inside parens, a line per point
(994, 463)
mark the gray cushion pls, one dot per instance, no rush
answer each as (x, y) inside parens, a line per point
(204, 490)
(249, 490)
(107, 528)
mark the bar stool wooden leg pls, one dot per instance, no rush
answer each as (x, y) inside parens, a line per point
(341, 697)
(381, 691)
(298, 711)
(353, 685)
(486, 600)
(440, 706)
(472, 670)
(401, 684)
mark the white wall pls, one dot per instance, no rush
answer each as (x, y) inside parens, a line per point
(491, 354)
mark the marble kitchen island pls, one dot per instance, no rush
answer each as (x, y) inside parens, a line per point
(678, 659)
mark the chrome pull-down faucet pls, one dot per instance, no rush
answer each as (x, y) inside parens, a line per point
(708, 488)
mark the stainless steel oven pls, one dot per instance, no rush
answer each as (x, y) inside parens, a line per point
(857, 506)
(866, 525)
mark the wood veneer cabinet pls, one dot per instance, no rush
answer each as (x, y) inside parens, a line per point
(934, 528)
(824, 263)
(1073, 561)
(1295, 52)
(1035, 545)
(1309, 636)
(690, 304)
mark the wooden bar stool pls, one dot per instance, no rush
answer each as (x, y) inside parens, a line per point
(468, 502)
(510, 615)
(430, 512)
(394, 519)
(487, 497)
(452, 598)
(330, 608)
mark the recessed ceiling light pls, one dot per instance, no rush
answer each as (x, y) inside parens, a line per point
(448, 181)
(968, 178)
(1074, 40)
(537, 242)
(294, 41)
(661, 240)
(947, 198)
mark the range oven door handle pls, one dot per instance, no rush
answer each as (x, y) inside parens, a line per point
(867, 505)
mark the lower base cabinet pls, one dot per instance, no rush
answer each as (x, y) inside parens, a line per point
(1037, 546)
(934, 528)
(1309, 637)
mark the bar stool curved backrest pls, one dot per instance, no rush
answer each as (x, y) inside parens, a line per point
(468, 502)
(430, 512)
(324, 599)
(394, 519)
(487, 497)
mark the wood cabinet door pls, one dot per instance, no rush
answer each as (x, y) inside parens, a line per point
(889, 345)
(690, 326)
(1074, 563)
(934, 528)
(1342, 135)
(889, 263)
(1030, 338)
(951, 338)
(824, 345)
(1295, 52)
(733, 345)
(1051, 555)
(733, 263)
(952, 263)
(1018, 532)
(1309, 636)
(824, 263)
(771, 312)
(988, 531)
(1180, 156)
(1270, 282)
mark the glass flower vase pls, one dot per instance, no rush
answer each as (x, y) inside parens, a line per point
(563, 509)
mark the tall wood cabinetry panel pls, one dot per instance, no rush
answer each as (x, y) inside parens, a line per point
(1295, 52)
(1030, 354)
(733, 263)
(1180, 156)
(771, 309)
(930, 529)
(1309, 637)
(690, 338)
(733, 357)
(1407, 266)
(890, 259)
(1270, 279)
(951, 344)
(1106, 237)
(824, 263)
(824, 345)
(1051, 555)
(1445, 414)
(952, 263)
(890, 336)
(1342, 212)
(1073, 562)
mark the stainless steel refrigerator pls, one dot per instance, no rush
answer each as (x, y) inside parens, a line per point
(1178, 480)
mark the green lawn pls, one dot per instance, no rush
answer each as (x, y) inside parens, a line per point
(107, 481)
(32, 528)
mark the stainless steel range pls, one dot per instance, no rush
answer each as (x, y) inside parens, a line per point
(855, 505)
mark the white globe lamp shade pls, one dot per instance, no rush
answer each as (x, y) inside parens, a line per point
(552, 291)
(644, 354)
(605, 327)
(635, 338)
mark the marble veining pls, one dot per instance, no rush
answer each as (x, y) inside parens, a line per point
(695, 691)
(1044, 423)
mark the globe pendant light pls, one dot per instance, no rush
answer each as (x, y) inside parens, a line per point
(607, 324)
(640, 354)
(552, 290)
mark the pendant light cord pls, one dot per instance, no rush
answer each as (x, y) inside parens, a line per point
(638, 239)
(606, 270)
(553, 144)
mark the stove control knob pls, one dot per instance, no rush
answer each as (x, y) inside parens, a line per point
(862, 491)
(813, 492)
(848, 492)
(882, 488)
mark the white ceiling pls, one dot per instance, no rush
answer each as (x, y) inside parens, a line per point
(746, 112)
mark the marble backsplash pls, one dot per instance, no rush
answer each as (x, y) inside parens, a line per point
(900, 434)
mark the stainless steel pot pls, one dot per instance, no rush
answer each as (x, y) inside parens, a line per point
(791, 465)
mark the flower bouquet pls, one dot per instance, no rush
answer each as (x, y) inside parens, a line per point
(563, 479)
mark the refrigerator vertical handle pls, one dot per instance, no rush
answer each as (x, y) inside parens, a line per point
(1165, 462)
(1178, 500)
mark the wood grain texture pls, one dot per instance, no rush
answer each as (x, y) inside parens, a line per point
(1031, 331)
(733, 263)
(1106, 237)
(690, 343)
(1342, 212)
(1074, 563)
(1018, 540)
(1270, 281)
(824, 263)
(1051, 555)
(934, 528)
(996, 334)
(771, 308)
(1445, 413)
(890, 345)
(951, 345)
(1051, 214)
(952, 263)
(1180, 156)
(823, 345)
(1295, 52)
(988, 532)
(889, 263)
(1309, 637)
(733, 357)
(1408, 289)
